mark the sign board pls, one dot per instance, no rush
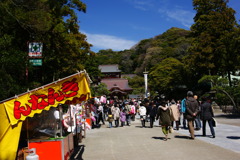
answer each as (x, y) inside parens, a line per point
(36, 62)
(35, 49)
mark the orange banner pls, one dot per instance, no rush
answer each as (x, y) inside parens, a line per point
(73, 89)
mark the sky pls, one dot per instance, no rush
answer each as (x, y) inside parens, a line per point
(121, 24)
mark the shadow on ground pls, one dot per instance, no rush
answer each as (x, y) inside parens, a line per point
(182, 137)
(228, 116)
(77, 153)
(159, 138)
(233, 137)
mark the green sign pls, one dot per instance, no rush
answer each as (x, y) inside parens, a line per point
(36, 62)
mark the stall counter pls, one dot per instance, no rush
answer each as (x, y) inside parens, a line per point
(56, 149)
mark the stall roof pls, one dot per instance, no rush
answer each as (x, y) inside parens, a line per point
(15, 110)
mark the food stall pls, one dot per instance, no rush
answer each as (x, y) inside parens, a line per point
(35, 103)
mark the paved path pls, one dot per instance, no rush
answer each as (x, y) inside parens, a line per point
(135, 143)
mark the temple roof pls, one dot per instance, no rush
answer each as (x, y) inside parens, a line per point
(120, 83)
(109, 68)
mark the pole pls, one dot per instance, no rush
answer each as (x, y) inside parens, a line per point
(146, 83)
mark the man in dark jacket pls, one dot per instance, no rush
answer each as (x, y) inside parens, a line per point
(192, 109)
(207, 115)
(152, 112)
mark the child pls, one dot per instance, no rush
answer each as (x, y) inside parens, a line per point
(110, 120)
(123, 117)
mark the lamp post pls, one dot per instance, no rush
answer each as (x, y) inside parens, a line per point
(146, 83)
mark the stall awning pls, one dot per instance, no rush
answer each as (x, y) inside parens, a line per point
(72, 89)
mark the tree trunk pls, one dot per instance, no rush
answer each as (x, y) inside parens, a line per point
(229, 78)
(225, 92)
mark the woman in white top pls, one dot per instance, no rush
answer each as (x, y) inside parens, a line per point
(142, 113)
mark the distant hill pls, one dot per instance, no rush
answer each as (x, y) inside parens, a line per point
(149, 52)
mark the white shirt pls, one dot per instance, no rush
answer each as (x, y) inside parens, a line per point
(142, 111)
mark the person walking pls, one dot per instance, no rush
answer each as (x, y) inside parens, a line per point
(132, 111)
(164, 114)
(100, 114)
(110, 119)
(192, 109)
(207, 116)
(116, 114)
(152, 113)
(142, 112)
(175, 114)
(122, 116)
(183, 113)
(197, 119)
(128, 113)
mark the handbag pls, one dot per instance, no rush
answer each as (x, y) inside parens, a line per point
(171, 129)
(214, 122)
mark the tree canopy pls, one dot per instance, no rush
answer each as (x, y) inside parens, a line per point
(214, 37)
(51, 22)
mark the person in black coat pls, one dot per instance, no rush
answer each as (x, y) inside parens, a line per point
(152, 112)
(207, 115)
(163, 113)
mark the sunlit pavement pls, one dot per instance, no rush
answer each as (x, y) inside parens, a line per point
(136, 143)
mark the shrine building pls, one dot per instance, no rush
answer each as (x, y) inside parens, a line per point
(117, 86)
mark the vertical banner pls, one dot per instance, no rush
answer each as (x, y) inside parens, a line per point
(146, 83)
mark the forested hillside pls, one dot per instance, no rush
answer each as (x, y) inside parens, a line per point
(149, 52)
(177, 60)
(170, 47)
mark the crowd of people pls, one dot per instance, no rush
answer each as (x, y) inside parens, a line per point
(187, 113)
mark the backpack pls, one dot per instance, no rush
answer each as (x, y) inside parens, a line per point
(132, 110)
(183, 105)
(128, 109)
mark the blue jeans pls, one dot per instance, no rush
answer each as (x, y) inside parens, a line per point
(210, 126)
(128, 117)
(184, 123)
(198, 123)
(110, 124)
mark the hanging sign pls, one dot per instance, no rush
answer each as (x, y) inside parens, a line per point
(36, 62)
(35, 49)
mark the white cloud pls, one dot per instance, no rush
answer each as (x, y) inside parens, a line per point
(185, 17)
(143, 5)
(102, 41)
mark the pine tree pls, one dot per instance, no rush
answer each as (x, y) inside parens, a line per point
(214, 38)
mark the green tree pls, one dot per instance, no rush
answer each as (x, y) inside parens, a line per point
(220, 85)
(108, 57)
(214, 37)
(137, 84)
(166, 76)
(52, 22)
(99, 90)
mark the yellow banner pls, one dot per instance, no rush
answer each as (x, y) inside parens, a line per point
(73, 89)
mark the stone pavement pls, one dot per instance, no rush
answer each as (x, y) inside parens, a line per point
(135, 143)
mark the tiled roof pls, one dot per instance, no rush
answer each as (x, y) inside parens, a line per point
(128, 75)
(117, 83)
(109, 68)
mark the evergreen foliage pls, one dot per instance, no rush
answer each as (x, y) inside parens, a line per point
(214, 33)
(52, 22)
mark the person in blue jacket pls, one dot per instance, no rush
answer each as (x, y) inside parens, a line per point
(183, 111)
